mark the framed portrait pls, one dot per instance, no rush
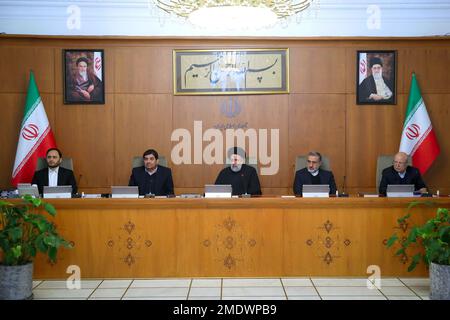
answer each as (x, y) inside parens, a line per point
(376, 77)
(84, 79)
(231, 71)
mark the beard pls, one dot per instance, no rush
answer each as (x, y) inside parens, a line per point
(236, 168)
(378, 76)
(83, 75)
(313, 170)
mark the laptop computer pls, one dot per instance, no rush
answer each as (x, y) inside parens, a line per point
(27, 188)
(64, 192)
(125, 192)
(400, 190)
(218, 190)
(316, 191)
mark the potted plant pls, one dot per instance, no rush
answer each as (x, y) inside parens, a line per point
(24, 231)
(434, 238)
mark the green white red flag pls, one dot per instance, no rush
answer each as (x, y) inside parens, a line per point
(35, 136)
(418, 137)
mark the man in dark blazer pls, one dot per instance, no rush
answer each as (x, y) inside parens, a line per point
(401, 173)
(54, 175)
(312, 174)
(151, 178)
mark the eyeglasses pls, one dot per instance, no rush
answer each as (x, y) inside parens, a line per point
(398, 162)
(314, 162)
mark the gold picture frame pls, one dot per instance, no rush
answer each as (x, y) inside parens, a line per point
(231, 71)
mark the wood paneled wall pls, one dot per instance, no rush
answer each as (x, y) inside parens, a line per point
(140, 112)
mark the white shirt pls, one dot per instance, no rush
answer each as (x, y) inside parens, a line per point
(151, 172)
(53, 176)
(402, 175)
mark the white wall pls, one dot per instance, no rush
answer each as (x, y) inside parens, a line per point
(142, 18)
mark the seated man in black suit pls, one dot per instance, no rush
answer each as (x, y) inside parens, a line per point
(243, 178)
(312, 174)
(151, 178)
(54, 175)
(401, 173)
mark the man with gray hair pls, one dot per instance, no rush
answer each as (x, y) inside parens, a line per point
(312, 174)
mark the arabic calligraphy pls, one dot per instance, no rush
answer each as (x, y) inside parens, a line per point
(231, 71)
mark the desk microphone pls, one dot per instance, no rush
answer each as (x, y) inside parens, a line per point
(343, 194)
(244, 195)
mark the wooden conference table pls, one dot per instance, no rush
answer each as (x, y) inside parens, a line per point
(244, 237)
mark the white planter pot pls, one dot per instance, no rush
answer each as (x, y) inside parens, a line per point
(16, 282)
(439, 282)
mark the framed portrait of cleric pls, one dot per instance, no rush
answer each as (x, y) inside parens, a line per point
(230, 71)
(376, 77)
(84, 78)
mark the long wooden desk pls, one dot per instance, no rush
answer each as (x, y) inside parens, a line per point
(257, 237)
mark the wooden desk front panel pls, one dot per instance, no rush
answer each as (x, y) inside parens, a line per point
(265, 237)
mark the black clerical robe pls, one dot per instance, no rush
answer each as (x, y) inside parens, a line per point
(244, 181)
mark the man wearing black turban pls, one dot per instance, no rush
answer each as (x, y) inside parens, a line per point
(376, 87)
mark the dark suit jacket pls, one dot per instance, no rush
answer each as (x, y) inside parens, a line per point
(244, 181)
(162, 184)
(302, 177)
(65, 178)
(390, 176)
(368, 87)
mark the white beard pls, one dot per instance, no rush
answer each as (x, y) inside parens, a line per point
(84, 75)
(377, 76)
(236, 168)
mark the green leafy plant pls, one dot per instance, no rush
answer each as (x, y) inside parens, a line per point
(24, 231)
(433, 236)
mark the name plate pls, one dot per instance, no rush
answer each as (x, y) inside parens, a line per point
(315, 195)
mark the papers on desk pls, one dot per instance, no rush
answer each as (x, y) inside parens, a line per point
(368, 195)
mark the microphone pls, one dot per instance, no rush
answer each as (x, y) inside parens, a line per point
(244, 195)
(343, 194)
(150, 194)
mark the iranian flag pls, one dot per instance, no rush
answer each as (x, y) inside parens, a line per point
(35, 136)
(418, 137)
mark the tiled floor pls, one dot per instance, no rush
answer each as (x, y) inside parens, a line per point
(237, 289)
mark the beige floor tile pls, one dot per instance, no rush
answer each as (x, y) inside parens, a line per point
(114, 284)
(339, 282)
(172, 283)
(155, 298)
(109, 293)
(300, 291)
(62, 284)
(347, 291)
(397, 291)
(425, 297)
(297, 282)
(421, 291)
(403, 297)
(61, 293)
(94, 298)
(36, 283)
(252, 291)
(416, 282)
(254, 298)
(156, 292)
(391, 282)
(204, 298)
(204, 292)
(316, 297)
(206, 283)
(353, 298)
(251, 282)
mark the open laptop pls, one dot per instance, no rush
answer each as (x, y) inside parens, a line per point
(400, 190)
(316, 191)
(125, 192)
(218, 190)
(64, 192)
(27, 188)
